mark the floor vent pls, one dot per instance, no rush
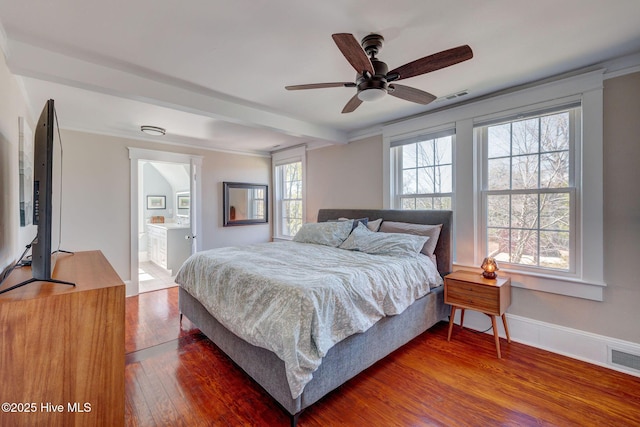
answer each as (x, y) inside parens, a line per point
(625, 359)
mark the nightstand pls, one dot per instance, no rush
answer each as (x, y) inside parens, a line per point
(469, 290)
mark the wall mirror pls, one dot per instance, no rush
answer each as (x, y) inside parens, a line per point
(245, 204)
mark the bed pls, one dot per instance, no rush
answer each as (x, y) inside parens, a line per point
(348, 356)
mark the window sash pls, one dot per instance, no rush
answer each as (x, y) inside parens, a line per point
(571, 190)
(287, 225)
(431, 169)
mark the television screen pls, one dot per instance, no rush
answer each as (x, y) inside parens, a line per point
(47, 198)
(41, 266)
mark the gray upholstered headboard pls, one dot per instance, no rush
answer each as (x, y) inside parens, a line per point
(443, 250)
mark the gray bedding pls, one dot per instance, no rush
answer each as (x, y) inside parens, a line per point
(298, 299)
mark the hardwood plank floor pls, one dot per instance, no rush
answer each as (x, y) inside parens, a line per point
(175, 376)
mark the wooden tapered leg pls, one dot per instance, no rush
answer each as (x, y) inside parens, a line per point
(451, 316)
(462, 318)
(495, 335)
(506, 328)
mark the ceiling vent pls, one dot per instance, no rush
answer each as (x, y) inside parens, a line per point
(453, 96)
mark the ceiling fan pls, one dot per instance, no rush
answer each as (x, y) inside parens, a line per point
(374, 81)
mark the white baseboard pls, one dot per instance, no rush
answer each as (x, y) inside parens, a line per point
(574, 343)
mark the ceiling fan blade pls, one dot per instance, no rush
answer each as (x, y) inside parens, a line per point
(320, 85)
(431, 63)
(352, 50)
(352, 104)
(411, 94)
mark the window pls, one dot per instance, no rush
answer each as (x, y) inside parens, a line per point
(289, 192)
(423, 172)
(256, 203)
(529, 191)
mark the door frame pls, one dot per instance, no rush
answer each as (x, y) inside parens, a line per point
(195, 166)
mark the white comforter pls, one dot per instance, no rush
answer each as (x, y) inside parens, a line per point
(300, 299)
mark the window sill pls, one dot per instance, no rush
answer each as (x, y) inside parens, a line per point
(556, 285)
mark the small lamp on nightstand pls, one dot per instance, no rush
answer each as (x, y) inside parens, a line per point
(490, 267)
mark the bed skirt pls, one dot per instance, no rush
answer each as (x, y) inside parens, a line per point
(342, 362)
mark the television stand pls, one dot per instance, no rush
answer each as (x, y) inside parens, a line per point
(33, 279)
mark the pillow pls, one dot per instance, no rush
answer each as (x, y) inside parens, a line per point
(355, 221)
(324, 233)
(374, 225)
(431, 231)
(364, 240)
(371, 225)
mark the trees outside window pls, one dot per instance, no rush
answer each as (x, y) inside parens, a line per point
(528, 190)
(424, 173)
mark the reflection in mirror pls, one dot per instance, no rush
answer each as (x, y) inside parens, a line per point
(244, 203)
(183, 203)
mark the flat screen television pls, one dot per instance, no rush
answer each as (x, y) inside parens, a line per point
(47, 193)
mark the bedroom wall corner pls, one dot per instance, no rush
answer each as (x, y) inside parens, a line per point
(345, 176)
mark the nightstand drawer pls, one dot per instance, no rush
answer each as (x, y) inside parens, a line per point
(469, 295)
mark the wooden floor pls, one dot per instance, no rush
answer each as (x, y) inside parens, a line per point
(176, 376)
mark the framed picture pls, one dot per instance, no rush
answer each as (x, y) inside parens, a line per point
(156, 202)
(184, 201)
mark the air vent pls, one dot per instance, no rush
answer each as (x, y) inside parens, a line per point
(453, 96)
(625, 359)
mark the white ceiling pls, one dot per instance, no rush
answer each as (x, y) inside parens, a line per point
(213, 73)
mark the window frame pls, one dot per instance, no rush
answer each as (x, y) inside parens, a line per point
(283, 158)
(573, 188)
(398, 167)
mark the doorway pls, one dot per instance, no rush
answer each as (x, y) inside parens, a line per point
(164, 216)
(163, 222)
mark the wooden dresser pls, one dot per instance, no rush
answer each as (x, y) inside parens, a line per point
(62, 347)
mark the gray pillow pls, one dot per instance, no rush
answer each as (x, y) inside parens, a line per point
(324, 233)
(364, 240)
(431, 231)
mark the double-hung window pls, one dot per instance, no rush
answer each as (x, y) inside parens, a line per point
(529, 190)
(423, 171)
(288, 177)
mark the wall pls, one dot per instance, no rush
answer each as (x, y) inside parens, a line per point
(351, 176)
(344, 176)
(96, 205)
(13, 238)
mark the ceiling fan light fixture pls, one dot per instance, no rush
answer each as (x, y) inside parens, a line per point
(372, 94)
(153, 130)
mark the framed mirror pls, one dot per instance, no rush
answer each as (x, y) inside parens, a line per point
(245, 204)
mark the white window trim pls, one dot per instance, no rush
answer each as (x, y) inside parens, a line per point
(291, 155)
(396, 161)
(573, 188)
(587, 88)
